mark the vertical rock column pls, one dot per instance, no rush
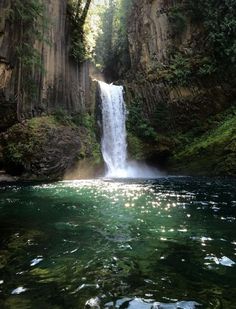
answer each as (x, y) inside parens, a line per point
(62, 84)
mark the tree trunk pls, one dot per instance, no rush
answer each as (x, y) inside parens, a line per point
(18, 106)
(85, 11)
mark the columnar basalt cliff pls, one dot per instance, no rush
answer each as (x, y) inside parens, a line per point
(154, 44)
(149, 33)
(45, 94)
(179, 88)
(61, 83)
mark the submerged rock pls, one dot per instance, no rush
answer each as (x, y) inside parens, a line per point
(93, 303)
(177, 305)
(139, 303)
(18, 290)
(225, 261)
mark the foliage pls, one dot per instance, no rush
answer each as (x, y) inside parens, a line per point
(62, 117)
(177, 19)
(217, 45)
(77, 12)
(183, 69)
(31, 18)
(143, 140)
(120, 35)
(48, 145)
(112, 53)
(136, 147)
(102, 37)
(179, 70)
(90, 147)
(104, 41)
(162, 116)
(207, 66)
(18, 152)
(77, 46)
(137, 124)
(214, 151)
(88, 122)
(33, 23)
(219, 21)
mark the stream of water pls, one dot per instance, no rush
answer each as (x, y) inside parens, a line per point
(136, 244)
(114, 144)
(114, 132)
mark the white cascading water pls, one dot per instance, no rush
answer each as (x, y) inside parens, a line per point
(114, 133)
(114, 145)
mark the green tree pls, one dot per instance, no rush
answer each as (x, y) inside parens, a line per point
(112, 53)
(77, 11)
(104, 41)
(219, 21)
(31, 19)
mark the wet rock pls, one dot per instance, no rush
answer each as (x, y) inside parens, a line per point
(93, 303)
(18, 290)
(42, 148)
(177, 305)
(225, 261)
(139, 303)
(6, 178)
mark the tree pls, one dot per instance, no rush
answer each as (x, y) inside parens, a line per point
(77, 12)
(112, 52)
(85, 11)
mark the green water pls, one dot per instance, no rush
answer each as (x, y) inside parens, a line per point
(166, 240)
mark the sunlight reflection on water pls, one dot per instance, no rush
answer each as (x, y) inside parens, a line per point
(71, 241)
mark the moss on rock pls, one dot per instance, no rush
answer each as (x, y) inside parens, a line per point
(46, 147)
(212, 153)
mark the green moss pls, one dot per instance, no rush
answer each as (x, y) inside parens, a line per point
(59, 273)
(15, 302)
(139, 149)
(136, 147)
(60, 116)
(26, 139)
(214, 152)
(91, 143)
(46, 276)
(32, 147)
(137, 123)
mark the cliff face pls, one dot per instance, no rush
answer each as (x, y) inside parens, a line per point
(45, 90)
(60, 82)
(169, 83)
(152, 39)
(151, 35)
(148, 32)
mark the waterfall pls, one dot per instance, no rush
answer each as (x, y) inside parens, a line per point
(114, 148)
(114, 145)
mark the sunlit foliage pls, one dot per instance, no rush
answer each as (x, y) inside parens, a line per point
(77, 11)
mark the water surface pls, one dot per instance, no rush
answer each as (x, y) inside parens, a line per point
(166, 240)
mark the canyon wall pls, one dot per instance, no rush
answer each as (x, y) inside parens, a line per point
(176, 86)
(153, 39)
(60, 82)
(46, 97)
